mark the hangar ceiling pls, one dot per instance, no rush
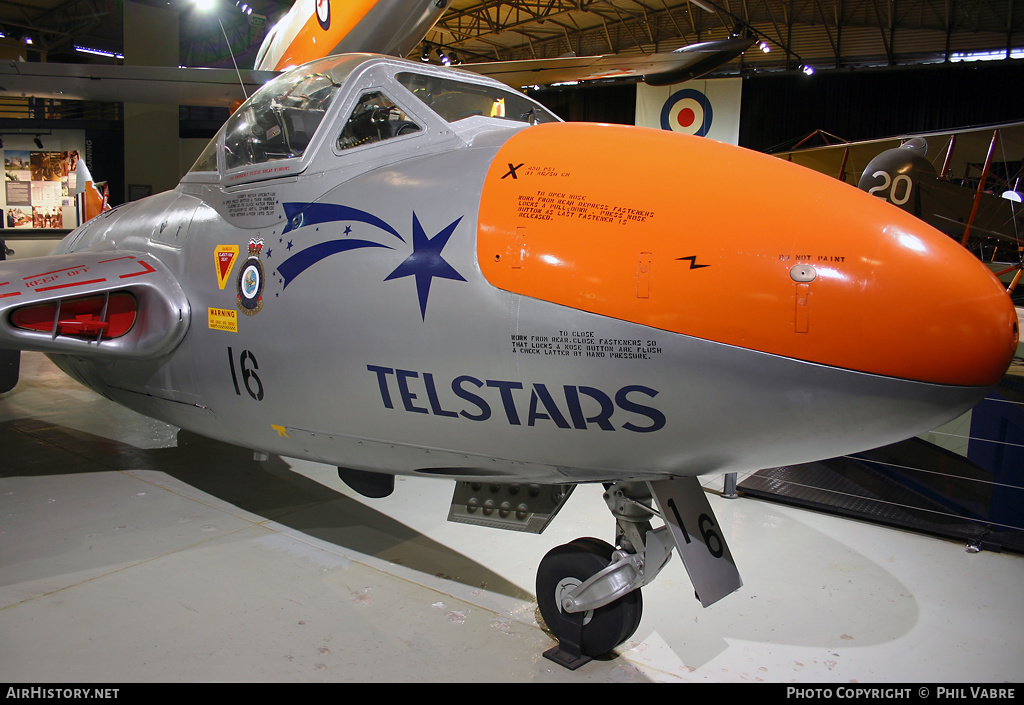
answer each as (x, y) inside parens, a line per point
(820, 33)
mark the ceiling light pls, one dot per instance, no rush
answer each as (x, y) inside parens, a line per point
(99, 52)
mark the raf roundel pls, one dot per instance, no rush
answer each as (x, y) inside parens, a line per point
(323, 14)
(250, 281)
(687, 111)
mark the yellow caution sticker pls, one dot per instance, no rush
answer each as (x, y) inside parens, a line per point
(223, 319)
(224, 257)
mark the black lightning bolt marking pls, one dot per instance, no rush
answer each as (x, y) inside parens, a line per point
(693, 262)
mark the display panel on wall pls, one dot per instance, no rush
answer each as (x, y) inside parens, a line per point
(39, 181)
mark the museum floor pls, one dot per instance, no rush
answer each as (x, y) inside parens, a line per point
(132, 553)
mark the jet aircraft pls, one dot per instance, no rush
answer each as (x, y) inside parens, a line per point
(404, 269)
(311, 26)
(313, 29)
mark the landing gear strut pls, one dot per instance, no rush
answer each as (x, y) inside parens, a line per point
(588, 591)
(583, 635)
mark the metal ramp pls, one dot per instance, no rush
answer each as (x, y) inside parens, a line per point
(954, 499)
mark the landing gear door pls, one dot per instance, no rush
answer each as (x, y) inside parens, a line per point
(698, 537)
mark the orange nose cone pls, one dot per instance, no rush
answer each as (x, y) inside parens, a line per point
(941, 315)
(688, 235)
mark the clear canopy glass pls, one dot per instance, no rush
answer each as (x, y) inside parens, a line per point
(456, 100)
(279, 121)
(280, 118)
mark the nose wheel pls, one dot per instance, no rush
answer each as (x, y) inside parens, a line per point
(585, 634)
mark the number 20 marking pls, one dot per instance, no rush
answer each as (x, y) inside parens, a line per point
(903, 179)
(250, 380)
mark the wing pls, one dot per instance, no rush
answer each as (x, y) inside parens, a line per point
(114, 304)
(221, 87)
(119, 84)
(656, 69)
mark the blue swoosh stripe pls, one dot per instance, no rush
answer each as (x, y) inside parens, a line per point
(315, 213)
(301, 261)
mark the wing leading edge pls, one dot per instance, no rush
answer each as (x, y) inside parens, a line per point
(656, 69)
(119, 304)
(119, 84)
(221, 87)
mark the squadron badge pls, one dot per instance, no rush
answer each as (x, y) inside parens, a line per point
(250, 281)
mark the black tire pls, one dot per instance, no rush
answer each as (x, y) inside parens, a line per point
(603, 628)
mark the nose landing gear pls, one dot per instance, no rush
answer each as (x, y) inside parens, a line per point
(583, 635)
(588, 591)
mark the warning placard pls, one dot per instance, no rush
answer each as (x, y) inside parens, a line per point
(223, 319)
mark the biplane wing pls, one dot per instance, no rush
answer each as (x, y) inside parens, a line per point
(952, 180)
(847, 159)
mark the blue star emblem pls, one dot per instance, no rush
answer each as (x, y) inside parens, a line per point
(426, 262)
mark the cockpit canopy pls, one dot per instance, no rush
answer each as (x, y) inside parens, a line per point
(279, 122)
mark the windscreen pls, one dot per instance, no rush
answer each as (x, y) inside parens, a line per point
(279, 121)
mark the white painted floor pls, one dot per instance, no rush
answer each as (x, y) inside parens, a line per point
(130, 553)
